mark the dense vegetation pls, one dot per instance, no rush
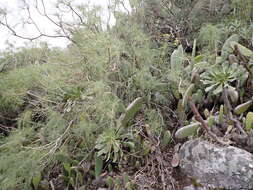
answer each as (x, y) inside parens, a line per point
(105, 111)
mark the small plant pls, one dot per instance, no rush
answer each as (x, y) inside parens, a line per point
(110, 144)
(223, 76)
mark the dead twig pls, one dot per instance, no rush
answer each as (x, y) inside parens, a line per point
(230, 115)
(204, 125)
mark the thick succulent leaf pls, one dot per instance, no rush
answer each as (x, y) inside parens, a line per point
(36, 180)
(243, 107)
(221, 113)
(166, 138)
(98, 166)
(218, 60)
(198, 58)
(187, 130)
(210, 88)
(177, 58)
(249, 121)
(198, 96)
(181, 112)
(245, 51)
(218, 89)
(187, 94)
(233, 94)
(226, 49)
(211, 121)
(194, 49)
(207, 82)
(131, 110)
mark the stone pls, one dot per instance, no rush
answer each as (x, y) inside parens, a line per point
(217, 167)
(192, 187)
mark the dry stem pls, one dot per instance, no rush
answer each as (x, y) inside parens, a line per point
(204, 125)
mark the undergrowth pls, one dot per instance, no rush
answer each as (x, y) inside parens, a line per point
(77, 118)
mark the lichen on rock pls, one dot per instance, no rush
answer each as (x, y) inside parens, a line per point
(217, 167)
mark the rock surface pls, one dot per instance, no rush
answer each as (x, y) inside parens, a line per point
(191, 187)
(217, 167)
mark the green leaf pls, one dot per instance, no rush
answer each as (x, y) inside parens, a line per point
(218, 89)
(181, 112)
(129, 144)
(210, 88)
(131, 110)
(146, 147)
(187, 94)
(102, 151)
(98, 166)
(166, 138)
(218, 60)
(194, 50)
(116, 147)
(233, 94)
(198, 59)
(221, 113)
(187, 130)
(243, 107)
(198, 96)
(177, 58)
(36, 180)
(67, 167)
(226, 49)
(249, 121)
(210, 121)
(245, 51)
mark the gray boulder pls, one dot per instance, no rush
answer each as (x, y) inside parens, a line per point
(217, 167)
(191, 187)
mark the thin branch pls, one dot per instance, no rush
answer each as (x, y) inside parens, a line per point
(230, 115)
(52, 185)
(14, 33)
(76, 13)
(124, 6)
(33, 22)
(5, 128)
(60, 24)
(204, 125)
(46, 15)
(29, 92)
